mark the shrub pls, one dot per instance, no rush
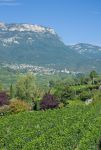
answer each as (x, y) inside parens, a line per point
(1, 86)
(99, 145)
(91, 87)
(4, 110)
(48, 101)
(79, 91)
(36, 105)
(3, 98)
(85, 95)
(61, 105)
(69, 93)
(65, 93)
(17, 106)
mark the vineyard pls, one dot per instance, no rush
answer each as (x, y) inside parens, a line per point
(77, 127)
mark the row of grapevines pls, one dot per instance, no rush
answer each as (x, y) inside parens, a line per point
(73, 128)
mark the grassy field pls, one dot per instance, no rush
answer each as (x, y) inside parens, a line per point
(77, 127)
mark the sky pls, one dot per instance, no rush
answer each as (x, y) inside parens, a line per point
(75, 21)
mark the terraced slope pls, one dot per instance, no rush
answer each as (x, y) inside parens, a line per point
(77, 127)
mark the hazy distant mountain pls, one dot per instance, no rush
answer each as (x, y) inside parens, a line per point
(91, 54)
(38, 45)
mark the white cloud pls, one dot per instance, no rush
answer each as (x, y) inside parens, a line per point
(9, 3)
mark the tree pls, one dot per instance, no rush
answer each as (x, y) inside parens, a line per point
(26, 88)
(93, 74)
(11, 91)
(51, 84)
(1, 87)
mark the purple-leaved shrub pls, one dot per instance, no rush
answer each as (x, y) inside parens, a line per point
(3, 98)
(48, 101)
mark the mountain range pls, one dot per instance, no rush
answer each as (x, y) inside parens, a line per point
(39, 45)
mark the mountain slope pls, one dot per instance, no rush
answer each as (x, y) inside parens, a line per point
(91, 55)
(38, 45)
